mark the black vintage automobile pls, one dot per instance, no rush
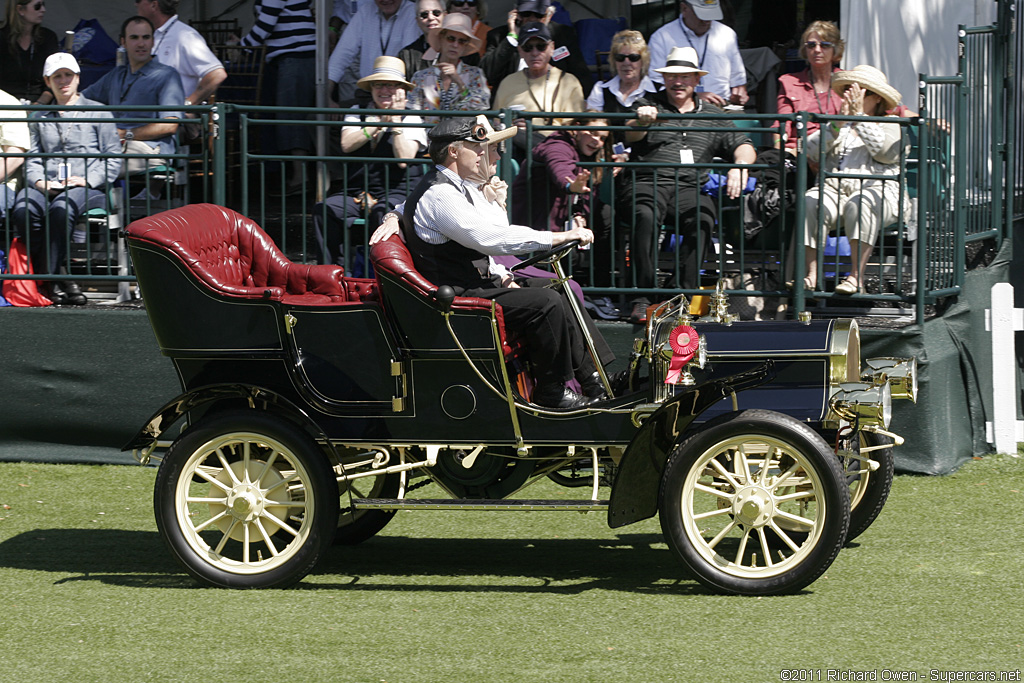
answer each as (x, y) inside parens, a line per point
(315, 406)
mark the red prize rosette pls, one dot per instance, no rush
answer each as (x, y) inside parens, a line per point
(684, 341)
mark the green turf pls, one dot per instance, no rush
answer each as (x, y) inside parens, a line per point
(88, 593)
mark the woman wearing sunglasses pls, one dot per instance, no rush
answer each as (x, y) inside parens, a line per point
(631, 59)
(24, 47)
(811, 89)
(476, 10)
(449, 84)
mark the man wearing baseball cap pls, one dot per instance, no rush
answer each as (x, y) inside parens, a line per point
(502, 57)
(718, 53)
(453, 229)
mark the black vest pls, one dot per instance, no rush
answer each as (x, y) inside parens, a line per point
(448, 263)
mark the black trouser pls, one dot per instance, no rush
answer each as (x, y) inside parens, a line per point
(544, 318)
(664, 204)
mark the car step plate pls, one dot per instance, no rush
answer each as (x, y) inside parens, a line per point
(476, 504)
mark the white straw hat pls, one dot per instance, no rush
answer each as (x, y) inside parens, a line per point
(386, 70)
(682, 60)
(869, 78)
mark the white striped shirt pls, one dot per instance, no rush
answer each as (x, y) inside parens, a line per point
(286, 27)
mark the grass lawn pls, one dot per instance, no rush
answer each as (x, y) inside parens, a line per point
(88, 593)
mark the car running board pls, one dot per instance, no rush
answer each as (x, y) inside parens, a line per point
(475, 504)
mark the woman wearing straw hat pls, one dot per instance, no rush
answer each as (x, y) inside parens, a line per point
(450, 84)
(476, 10)
(861, 207)
(372, 188)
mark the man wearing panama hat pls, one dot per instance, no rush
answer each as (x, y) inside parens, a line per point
(672, 196)
(453, 229)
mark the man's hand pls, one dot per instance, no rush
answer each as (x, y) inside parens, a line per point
(646, 115)
(581, 233)
(736, 180)
(738, 95)
(389, 227)
(712, 98)
(513, 22)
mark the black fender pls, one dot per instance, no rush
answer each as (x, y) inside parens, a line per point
(173, 410)
(635, 490)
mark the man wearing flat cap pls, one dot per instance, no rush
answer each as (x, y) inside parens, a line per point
(700, 26)
(502, 56)
(671, 196)
(453, 227)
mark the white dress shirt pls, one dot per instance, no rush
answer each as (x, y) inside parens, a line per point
(718, 51)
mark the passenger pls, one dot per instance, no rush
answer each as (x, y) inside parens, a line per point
(700, 27)
(811, 89)
(631, 59)
(450, 84)
(502, 57)
(24, 46)
(142, 80)
(181, 47)
(476, 10)
(380, 29)
(287, 29)
(859, 207)
(667, 197)
(538, 87)
(14, 139)
(454, 225)
(374, 188)
(59, 190)
(420, 54)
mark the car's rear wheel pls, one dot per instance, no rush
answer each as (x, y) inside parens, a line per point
(754, 503)
(246, 499)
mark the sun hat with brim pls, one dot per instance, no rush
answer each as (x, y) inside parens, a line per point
(869, 78)
(386, 70)
(682, 60)
(458, 24)
(706, 10)
(60, 60)
(469, 128)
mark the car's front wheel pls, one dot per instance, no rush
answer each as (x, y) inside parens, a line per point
(246, 499)
(754, 503)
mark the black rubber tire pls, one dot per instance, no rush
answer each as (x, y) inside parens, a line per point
(356, 526)
(758, 431)
(232, 565)
(868, 505)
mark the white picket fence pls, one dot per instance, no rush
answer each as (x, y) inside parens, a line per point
(1004, 431)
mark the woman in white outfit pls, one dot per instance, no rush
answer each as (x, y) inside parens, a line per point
(859, 208)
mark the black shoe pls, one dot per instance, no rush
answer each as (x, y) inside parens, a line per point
(592, 387)
(639, 314)
(558, 396)
(73, 294)
(53, 292)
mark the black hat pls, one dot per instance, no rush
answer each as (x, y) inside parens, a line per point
(536, 6)
(534, 29)
(472, 128)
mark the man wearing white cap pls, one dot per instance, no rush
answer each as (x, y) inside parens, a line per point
(671, 197)
(699, 26)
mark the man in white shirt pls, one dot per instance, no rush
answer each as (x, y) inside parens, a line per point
(381, 28)
(452, 236)
(181, 47)
(699, 26)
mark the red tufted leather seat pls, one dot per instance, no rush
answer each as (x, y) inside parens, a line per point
(392, 258)
(231, 254)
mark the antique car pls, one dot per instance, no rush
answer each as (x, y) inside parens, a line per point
(315, 406)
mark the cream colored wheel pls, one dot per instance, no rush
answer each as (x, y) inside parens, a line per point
(754, 503)
(246, 500)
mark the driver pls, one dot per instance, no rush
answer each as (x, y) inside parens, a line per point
(452, 231)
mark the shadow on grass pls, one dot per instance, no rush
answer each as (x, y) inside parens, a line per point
(635, 563)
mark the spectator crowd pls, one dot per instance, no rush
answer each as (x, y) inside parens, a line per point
(626, 177)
